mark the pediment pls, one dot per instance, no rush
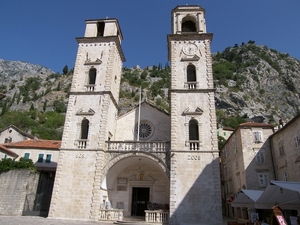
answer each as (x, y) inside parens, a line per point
(81, 112)
(190, 58)
(197, 111)
(90, 62)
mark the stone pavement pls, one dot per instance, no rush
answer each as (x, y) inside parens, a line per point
(35, 220)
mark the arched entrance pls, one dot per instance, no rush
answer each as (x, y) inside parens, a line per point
(135, 183)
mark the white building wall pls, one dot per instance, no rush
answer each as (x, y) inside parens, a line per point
(286, 150)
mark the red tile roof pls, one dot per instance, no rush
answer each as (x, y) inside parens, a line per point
(41, 144)
(8, 152)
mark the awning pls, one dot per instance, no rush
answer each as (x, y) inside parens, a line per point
(246, 198)
(281, 193)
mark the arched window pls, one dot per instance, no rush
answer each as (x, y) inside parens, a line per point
(92, 76)
(85, 128)
(193, 130)
(188, 25)
(191, 73)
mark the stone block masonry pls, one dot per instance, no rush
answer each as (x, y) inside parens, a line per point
(15, 185)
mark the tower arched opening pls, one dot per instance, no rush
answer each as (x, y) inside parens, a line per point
(188, 24)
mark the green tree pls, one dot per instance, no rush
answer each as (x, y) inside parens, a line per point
(59, 106)
(65, 70)
(45, 105)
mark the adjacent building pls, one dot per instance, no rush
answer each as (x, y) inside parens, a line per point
(247, 163)
(285, 145)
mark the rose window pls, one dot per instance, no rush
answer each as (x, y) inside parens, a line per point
(145, 131)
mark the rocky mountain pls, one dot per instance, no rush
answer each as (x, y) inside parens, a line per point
(251, 81)
(257, 82)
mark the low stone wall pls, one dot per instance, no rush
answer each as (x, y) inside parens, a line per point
(15, 186)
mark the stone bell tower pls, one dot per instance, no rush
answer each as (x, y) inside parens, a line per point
(195, 195)
(90, 121)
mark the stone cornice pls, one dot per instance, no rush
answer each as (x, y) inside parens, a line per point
(190, 36)
(193, 90)
(103, 39)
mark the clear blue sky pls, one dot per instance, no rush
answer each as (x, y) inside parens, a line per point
(43, 32)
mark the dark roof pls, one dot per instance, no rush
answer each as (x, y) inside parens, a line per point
(8, 152)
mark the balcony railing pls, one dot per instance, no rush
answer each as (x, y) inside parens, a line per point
(157, 146)
(81, 143)
(90, 87)
(157, 216)
(194, 145)
(111, 214)
(191, 85)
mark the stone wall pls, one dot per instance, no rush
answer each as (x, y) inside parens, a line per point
(15, 186)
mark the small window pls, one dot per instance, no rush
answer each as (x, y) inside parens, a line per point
(257, 137)
(262, 179)
(297, 140)
(281, 148)
(260, 157)
(41, 158)
(48, 158)
(26, 155)
(5, 156)
(8, 140)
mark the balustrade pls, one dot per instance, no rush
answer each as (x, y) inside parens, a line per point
(191, 85)
(157, 216)
(82, 143)
(194, 145)
(111, 214)
(90, 87)
(138, 146)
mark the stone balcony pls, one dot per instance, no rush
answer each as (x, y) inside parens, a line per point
(151, 146)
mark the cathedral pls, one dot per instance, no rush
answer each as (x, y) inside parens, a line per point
(143, 162)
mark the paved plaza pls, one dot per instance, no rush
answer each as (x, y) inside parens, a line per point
(35, 220)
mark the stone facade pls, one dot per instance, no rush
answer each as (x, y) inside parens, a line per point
(285, 144)
(14, 188)
(246, 162)
(144, 158)
(194, 176)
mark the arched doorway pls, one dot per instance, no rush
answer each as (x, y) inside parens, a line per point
(136, 183)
